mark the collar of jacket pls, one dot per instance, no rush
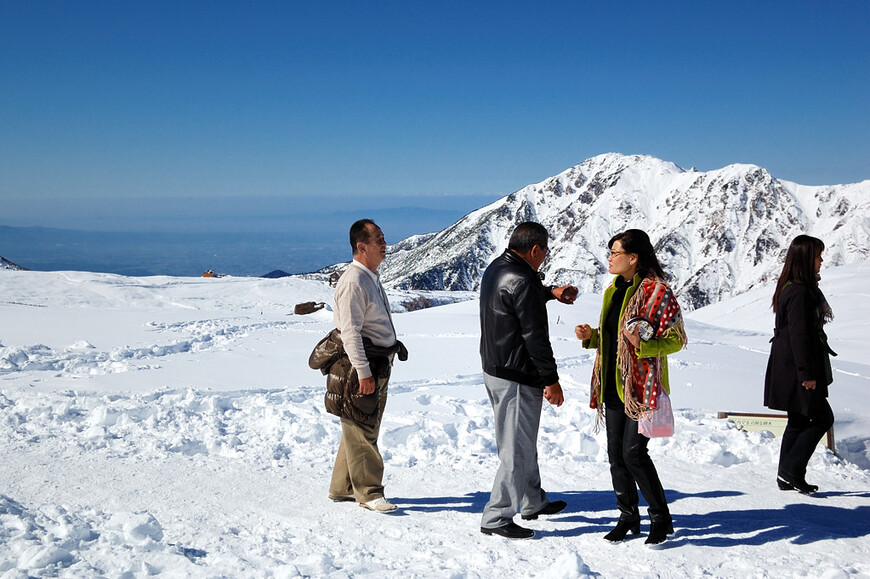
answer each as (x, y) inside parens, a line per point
(514, 258)
(611, 289)
(635, 282)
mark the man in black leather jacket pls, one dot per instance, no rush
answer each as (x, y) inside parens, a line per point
(519, 372)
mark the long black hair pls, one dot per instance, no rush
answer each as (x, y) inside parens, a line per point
(800, 267)
(637, 241)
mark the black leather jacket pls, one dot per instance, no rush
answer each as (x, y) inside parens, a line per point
(514, 331)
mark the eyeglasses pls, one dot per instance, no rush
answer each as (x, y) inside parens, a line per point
(615, 253)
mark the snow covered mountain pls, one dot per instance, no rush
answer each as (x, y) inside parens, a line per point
(717, 233)
(6, 264)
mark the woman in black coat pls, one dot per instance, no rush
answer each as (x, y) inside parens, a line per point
(799, 368)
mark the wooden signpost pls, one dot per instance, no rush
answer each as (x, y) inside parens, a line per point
(775, 423)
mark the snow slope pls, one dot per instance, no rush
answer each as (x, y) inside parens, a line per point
(171, 426)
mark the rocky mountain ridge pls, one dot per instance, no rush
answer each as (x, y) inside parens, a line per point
(717, 233)
(6, 264)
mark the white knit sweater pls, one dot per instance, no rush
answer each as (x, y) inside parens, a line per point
(362, 310)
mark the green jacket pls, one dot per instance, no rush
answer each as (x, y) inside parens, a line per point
(653, 348)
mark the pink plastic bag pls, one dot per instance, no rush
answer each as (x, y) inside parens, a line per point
(660, 422)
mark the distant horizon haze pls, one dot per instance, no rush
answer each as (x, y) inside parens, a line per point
(233, 235)
(230, 235)
(238, 213)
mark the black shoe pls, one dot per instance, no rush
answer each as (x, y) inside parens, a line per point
(658, 532)
(621, 530)
(783, 484)
(511, 531)
(549, 509)
(790, 483)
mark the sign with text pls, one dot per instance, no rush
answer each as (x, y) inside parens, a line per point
(774, 423)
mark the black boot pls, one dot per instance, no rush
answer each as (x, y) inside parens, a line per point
(786, 482)
(621, 530)
(783, 484)
(659, 531)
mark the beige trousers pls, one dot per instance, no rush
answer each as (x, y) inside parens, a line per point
(359, 468)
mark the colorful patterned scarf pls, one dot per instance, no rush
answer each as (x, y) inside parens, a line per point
(655, 303)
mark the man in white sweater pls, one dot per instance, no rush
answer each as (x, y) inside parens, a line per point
(362, 310)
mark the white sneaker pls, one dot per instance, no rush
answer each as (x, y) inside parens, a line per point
(342, 498)
(380, 505)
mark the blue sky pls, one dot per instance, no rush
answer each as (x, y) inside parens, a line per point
(353, 100)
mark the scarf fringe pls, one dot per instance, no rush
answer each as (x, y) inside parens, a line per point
(634, 408)
(680, 330)
(594, 394)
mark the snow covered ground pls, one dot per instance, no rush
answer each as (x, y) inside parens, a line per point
(171, 426)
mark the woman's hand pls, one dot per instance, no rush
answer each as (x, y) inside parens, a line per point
(809, 384)
(633, 337)
(583, 332)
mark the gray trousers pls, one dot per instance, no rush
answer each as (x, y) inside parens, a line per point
(517, 485)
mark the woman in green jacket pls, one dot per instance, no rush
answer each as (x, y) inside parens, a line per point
(640, 325)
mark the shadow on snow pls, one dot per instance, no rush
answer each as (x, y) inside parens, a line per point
(801, 523)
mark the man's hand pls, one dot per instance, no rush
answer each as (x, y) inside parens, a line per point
(565, 294)
(553, 394)
(809, 384)
(367, 385)
(583, 332)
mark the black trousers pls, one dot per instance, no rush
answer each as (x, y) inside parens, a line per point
(802, 435)
(631, 467)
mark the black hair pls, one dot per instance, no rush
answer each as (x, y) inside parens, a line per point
(527, 235)
(637, 241)
(359, 233)
(800, 265)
